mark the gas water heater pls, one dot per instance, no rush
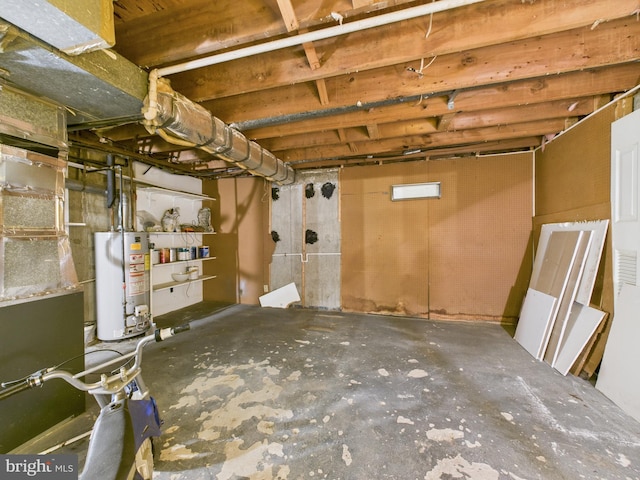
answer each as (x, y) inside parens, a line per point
(122, 284)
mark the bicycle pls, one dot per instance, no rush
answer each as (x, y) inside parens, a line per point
(120, 445)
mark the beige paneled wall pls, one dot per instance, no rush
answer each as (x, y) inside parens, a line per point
(465, 255)
(239, 218)
(573, 175)
(574, 171)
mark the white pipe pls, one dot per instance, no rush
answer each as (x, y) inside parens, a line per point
(152, 111)
(304, 257)
(358, 25)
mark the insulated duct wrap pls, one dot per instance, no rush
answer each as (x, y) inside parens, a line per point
(179, 120)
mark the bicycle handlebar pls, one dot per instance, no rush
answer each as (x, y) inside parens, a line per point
(107, 384)
(9, 391)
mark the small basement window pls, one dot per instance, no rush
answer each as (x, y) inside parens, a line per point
(410, 191)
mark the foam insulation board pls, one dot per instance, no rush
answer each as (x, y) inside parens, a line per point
(281, 297)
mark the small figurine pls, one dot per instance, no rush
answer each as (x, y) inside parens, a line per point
(204, 219)
(170, 220)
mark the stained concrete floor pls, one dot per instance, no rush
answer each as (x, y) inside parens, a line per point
(253, 393)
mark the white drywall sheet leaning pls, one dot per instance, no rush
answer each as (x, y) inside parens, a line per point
(580, 327)
(535, 317)
(599, 229)
(619, 376)
(555, 263)
(571, 290)
(281, 297)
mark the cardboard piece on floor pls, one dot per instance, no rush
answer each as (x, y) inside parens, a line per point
(619, 375)
(535, 316)
(581, 325)
(571, 291)
(281, 297)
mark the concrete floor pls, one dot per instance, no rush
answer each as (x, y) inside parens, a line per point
(253, 393)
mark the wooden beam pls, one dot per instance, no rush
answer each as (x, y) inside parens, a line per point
(195, 28)
(361, 3)
(600, 101)
(425, 142)
(447, 73)
(312, 57)
(524, 92)
(353, 137)
(534, 27)
(311, 54)
(551, 111)
(528, 92)
(159, 32)
(444, 121)
(486, 147)
(291, 21)
(288, 15)
(372, 131)
(571, 108)
(323, 95)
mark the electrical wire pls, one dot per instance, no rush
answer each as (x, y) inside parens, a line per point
(56, 367)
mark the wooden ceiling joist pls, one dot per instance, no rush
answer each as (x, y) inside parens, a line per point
(513, 94)
(426, 142)
(453, 83)
(548, 34)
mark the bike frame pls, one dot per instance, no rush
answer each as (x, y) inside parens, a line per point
(120, 443)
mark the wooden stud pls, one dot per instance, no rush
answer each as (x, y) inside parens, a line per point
(373, 132)
(361, 3)
(444, 121)
(323, 95)
(288, 15)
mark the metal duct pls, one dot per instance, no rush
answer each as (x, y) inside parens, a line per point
(181, 121)
(94, 86)
(72, 27)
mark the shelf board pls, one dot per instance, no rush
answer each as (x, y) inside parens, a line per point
(177, 193)
(167, 285)
(177, 262)
(180, 233)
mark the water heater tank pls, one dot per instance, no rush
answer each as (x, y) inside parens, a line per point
(122, 284)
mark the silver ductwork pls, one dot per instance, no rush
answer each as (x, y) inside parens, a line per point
(182, 122)
(72, 27)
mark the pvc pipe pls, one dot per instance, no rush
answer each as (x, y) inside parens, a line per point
(304, 257)
(358, 25)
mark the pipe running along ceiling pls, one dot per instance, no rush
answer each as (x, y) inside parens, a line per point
(325, 33)
(180, 121)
